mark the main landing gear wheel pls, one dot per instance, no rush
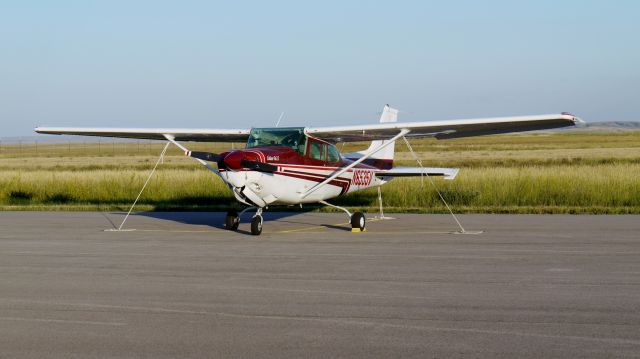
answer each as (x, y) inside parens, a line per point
(358, 222)
(232, 221)
(256, 225)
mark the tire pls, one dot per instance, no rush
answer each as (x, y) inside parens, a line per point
(358, 221)
(256, 225)
(232, 221)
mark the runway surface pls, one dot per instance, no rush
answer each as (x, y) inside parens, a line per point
(180, 286)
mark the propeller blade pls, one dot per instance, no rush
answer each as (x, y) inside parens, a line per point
(259, 166)
(205, 156)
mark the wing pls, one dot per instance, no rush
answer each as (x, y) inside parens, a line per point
(180, 134)
(446, 173)
(444, 129)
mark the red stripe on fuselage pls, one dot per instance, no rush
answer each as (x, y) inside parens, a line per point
(343, 185)
(323, 176)
(326, 167)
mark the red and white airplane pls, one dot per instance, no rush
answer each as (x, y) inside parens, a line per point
(296, 165)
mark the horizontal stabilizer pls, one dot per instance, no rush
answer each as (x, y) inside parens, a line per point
(446, 173)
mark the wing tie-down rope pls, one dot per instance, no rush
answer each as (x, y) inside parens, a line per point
(422, 175)
(160, 159)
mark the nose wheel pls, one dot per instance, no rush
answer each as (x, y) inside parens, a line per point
(256, 225)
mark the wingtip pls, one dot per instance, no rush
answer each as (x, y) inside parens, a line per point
(576, 120)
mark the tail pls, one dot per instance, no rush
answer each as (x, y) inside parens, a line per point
(382, 159)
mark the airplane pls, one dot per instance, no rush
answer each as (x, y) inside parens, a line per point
(301, 165)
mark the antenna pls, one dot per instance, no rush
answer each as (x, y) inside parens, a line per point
(280, 119)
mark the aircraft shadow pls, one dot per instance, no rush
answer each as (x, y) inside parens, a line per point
(216, 219)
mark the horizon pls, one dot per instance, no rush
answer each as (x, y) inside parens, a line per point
(218, 65)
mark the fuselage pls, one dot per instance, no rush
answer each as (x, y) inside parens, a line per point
(301, 165)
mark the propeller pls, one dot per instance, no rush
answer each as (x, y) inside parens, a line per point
(259, 166)
(205, 156)
(231, 163)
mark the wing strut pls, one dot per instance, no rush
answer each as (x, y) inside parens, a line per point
(403, 132)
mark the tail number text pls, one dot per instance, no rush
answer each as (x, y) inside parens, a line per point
(362, 178)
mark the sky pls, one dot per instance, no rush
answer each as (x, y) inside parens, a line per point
(238, 64)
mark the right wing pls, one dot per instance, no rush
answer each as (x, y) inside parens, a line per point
(179, 134)
(444, 129)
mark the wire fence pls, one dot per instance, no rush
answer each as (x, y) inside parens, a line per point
(101, 148)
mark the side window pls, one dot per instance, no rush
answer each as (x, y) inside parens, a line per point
(333, 155)
(315, 150)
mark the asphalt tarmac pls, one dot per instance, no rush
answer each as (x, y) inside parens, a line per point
(180, 286)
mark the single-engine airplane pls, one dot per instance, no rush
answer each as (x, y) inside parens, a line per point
(296, 165)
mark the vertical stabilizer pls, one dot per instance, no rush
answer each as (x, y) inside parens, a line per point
(384, 158)
(389, 115)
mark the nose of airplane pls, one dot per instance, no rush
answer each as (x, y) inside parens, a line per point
(233, 160)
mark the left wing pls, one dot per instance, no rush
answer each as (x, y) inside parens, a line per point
(179, 134)
(446, 173)
(444, 129)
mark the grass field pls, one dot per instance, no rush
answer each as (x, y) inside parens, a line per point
(565, 172)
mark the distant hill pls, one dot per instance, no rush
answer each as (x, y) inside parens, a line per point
(48, 139)
(607, 126)
(614, 125)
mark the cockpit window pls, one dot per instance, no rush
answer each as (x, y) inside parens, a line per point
(292, 137)
(316, 150)
(333, 155)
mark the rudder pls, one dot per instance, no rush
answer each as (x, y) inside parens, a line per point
(384, 158)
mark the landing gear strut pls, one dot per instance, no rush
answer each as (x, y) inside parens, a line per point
(358, 220)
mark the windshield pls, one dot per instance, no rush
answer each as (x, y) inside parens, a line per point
(292, 137)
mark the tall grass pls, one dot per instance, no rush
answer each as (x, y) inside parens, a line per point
(606, 188)
(552, 188)
(184, 187)
(570, 172)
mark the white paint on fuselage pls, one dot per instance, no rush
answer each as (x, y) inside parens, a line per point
(288, 190)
